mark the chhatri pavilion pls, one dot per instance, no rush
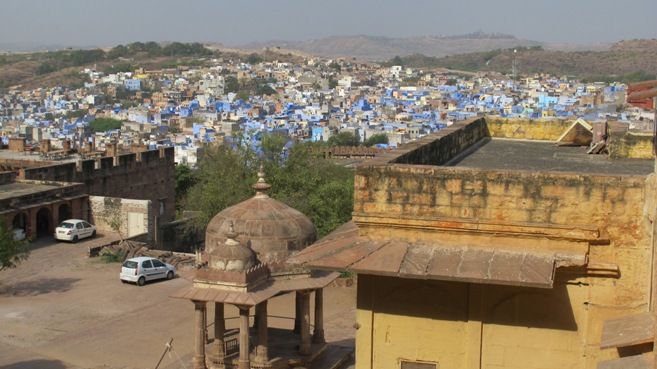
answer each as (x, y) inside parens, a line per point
(244, 265)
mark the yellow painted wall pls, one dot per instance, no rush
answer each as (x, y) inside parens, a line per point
(494, 327)
(465, 326)
(527, 129)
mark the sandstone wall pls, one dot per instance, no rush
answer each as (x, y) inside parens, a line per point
(135, 216)
(148, 175)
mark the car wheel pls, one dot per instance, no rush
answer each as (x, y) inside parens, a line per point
(141, 281)
(170, 275)
(124, 282)
(75, 239)
(93, 234)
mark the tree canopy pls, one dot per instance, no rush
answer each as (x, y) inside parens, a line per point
(379, 138)
(315, 186)
(343, 139)
(105, 124)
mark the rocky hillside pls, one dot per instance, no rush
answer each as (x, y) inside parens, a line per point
(383, 48)
(626, 60)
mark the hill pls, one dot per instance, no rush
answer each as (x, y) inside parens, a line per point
(62, 67)
(382, 48)
(627, 61)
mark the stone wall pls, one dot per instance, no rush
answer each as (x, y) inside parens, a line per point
(440, 147)
(527, 129)
(635, 145)
(148, 175)
(135, 216)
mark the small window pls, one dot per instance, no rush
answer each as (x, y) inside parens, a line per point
(78, 226)
(157, 264)
(130, 264)
(417, 365)
(86, 225)
(146, 264)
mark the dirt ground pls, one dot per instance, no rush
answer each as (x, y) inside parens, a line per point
(62, 310)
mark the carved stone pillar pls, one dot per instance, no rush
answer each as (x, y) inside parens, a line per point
(318, 334)
(304, 349)
(262, 354)
(218, 346)
(199, 354)
(244, 361)
(297, 312)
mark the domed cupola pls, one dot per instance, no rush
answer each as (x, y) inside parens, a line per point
(273, 230)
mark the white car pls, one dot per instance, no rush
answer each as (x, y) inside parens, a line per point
(142, 269)
(74, 230)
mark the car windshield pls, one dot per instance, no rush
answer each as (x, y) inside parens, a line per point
(66, 225)
(130, 264)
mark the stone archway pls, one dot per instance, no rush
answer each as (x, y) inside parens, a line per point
(43, 222)
(64, 213)
(20, 222)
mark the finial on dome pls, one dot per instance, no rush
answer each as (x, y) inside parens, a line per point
(231, 235)
(261, 186)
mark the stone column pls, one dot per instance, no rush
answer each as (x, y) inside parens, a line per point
(297, 312)
(318, 334)
(262, 354)
(218, 346)
(304, 349)
(199, 356)
(244, 361)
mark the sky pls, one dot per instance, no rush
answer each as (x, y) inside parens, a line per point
(237, 22)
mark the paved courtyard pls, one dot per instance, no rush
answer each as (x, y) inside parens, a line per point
(62, 310)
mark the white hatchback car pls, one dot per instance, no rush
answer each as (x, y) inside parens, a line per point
(141, 269)
(74, 230)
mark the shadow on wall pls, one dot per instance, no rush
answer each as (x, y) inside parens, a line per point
(37, 287)
(36, 364)
(502, 305)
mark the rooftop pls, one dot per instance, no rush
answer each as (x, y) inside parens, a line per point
(512, 154)
(19, 189)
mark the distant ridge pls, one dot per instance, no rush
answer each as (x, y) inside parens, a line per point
(383, 48)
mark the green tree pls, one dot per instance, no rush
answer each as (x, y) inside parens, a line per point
(105, 124)
(231, 84)
(12, 251)
(253, 59)
(343, 139)
(379, 138)
(265, 90)
(397, 60)
(185, 178)
(118, 52)
(317, 187)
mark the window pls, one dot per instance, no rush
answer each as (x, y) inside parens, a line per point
(130, 265)
(417, 365)
(78, 226)
(66, 225)
(86, 225)
(157, 264)
(146, 264)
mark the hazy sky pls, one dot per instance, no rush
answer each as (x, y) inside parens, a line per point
(108, 22)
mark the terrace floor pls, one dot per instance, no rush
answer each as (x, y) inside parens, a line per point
(508, 154)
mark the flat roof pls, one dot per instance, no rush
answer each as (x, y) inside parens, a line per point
(19, 189)
(510, 154)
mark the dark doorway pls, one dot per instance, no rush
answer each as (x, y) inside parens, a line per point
(20, 222)
(64, 213)
(43, 222)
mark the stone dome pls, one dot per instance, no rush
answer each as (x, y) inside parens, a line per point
(270, 228)
(230, 255)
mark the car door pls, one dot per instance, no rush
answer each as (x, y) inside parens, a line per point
(147, 269)
(160, 268)
(79, 230)
(88, 230)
